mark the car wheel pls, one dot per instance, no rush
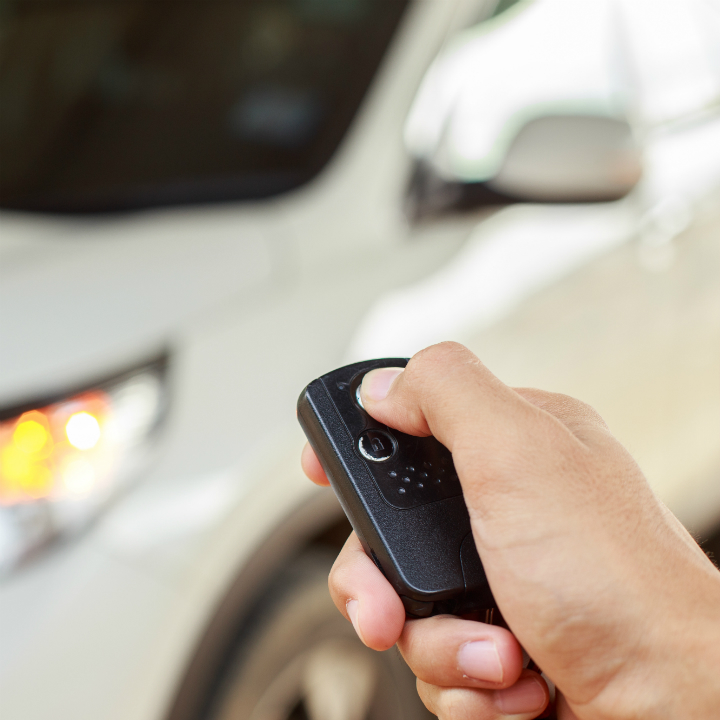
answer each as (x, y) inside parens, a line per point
(299, 659)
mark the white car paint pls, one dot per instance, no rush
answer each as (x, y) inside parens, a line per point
(254, 300)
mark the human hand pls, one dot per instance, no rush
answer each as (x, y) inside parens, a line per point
(598, 581)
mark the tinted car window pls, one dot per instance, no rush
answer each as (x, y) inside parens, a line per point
(120, 104)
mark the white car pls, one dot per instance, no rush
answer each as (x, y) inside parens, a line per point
(208, 205)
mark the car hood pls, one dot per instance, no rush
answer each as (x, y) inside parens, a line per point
(83, 297)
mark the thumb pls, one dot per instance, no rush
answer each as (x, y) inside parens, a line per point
(499, 439)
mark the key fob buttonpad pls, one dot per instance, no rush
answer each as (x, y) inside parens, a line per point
(411, 517)
(408, 471)
(420, 472)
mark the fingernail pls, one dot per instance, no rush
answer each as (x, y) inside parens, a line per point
(376, 384)
(480, 660)
(525, 696)
(352, 607)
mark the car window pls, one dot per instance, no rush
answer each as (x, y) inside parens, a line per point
(120, 104)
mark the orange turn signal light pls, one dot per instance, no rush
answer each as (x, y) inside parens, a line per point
(60, 450)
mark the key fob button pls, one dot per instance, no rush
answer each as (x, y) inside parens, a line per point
(358, 398)
(376, 445)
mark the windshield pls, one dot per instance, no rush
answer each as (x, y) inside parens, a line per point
(120, 104)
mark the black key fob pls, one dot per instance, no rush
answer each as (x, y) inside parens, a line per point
(401, 495)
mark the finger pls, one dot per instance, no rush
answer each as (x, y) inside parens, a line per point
(365, 597)
(525, 700)
(443, 391)
(564, 711)
(495, 434)
(579, 417)
(311, 466)
(451, 652)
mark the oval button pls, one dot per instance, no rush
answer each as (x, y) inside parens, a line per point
(376, 445)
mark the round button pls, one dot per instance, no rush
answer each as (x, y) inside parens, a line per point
(376, 445)
(354, 390)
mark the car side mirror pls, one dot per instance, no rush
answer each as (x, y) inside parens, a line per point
(570, 158)
(551, 159)
(510, 112)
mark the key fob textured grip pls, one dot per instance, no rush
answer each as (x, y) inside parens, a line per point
(401, 495)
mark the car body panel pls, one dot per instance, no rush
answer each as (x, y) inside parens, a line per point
(262, 296)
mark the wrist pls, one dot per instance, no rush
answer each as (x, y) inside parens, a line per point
(697, 666)
(676, 670)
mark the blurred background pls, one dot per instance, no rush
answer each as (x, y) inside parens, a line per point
(206, 205)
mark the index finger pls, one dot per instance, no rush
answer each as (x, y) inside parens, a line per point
(311, 466)
(363, 595)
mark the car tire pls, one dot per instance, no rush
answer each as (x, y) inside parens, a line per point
(299, 659)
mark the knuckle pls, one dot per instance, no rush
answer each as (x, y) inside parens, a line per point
(339, 577)
(462, 704)
(437, 357)
(426, 694)
(564, 407)
(333, 583)
(573, 406)
(413, 646)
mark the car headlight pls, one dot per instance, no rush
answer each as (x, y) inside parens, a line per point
(60, 461)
